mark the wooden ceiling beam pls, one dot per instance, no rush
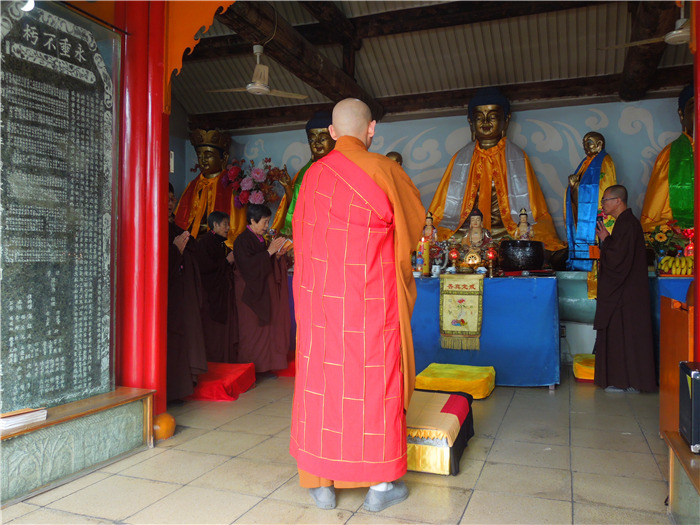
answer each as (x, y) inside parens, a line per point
(391, 23)
(600, 86)
(651, 20)
(258, 22)
(334, 22)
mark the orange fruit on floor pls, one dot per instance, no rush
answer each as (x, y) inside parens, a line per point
(163, 426)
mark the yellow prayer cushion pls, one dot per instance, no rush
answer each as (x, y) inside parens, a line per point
(479, 381)
(584, 367)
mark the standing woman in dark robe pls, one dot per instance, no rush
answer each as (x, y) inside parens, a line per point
(262, 294)
(186, 354)
(624, 360)
(219, 307)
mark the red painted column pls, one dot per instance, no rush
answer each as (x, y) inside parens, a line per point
(141, 245)
(130, 308)
(695, 21)
(155, 214)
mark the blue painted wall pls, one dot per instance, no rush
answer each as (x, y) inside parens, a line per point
(635, 133)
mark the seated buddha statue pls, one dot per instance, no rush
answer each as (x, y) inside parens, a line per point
(493, 175)
(476, 236)
(207, 192)
(320, 144)
(669, 195)
(594, 174)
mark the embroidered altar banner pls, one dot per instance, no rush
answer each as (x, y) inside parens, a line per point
(461, 311)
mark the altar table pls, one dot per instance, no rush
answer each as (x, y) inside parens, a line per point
(519, 330)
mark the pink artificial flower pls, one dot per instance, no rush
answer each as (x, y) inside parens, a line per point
(247, 183)
(258, 174)
(257, 197)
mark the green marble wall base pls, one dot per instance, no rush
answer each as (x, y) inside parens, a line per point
(32, 461)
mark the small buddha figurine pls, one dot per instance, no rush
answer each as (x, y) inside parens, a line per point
(477, 236)
(395, 155)
(429, 231)
(524, 231)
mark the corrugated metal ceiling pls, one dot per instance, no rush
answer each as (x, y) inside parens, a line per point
(551, 46)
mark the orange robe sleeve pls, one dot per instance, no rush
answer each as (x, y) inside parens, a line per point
(281, 213)
(544, 225)
(656, 210)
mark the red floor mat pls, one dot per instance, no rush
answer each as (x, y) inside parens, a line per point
(224, 381)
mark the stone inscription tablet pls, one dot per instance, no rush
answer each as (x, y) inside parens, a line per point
(58, 137)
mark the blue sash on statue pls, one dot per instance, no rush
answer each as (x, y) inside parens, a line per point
(582, 235)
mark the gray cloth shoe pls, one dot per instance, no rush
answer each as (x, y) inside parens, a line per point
(324, 497)
(632, 390)
(614, 389)
(377, 500)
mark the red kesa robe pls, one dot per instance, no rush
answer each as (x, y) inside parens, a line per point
(357, 218)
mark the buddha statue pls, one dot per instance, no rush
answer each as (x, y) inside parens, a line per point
(594, 175)
(476, 236)
(524, 231)
(429, 231)
(207, 193)
(669, 194)
(321, 144)
(493, 175)
(395, 155)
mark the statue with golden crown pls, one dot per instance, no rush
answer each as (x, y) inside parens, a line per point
(209, 192)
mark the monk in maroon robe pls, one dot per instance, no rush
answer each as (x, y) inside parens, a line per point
(262, 294)
(186, 353)
(357, 218)
(219, 307)
(624, 359)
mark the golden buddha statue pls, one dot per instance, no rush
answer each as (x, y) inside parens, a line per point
(595, 173)
(493, 175)
(207, 193)
(669, 194)
(321, 144)
(476, 235)
(395, 155)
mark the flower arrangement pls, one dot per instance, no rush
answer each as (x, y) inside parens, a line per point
(668, 238)
(253, 184)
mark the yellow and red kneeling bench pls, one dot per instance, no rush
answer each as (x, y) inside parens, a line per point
(439, 425)
(439, 418)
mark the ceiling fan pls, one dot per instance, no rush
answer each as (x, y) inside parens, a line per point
(259, 84)
(679, 35)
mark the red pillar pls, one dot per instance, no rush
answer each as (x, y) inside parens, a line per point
(141, 246)
(695, 21)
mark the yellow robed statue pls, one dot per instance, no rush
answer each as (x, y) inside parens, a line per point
(493, 175)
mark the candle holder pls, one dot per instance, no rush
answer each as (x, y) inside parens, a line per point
(491, 255)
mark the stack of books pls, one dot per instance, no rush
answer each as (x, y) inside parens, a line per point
(21, 417)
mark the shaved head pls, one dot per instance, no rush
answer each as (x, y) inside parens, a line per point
(352, 117)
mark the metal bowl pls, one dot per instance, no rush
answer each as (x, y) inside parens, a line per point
(521, 255)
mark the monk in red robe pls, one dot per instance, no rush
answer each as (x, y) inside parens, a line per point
(357, 218)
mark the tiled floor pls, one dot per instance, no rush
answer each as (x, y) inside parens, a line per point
(573, 455)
